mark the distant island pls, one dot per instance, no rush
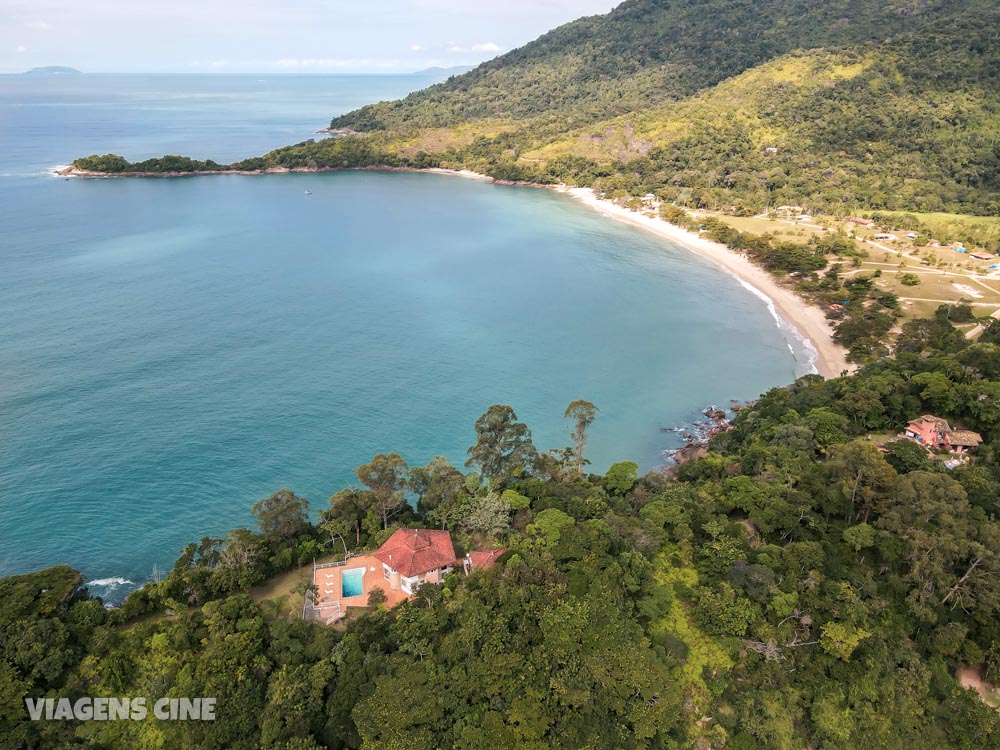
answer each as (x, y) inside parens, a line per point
(456, 70)
(52, 70)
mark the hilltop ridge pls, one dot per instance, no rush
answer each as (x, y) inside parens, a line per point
(843, 106)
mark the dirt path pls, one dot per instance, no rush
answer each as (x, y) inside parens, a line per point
(970, 678)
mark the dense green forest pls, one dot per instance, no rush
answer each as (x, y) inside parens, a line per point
(795, 587)
(838, 106)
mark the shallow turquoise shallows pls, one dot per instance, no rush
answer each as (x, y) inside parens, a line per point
(173, 350)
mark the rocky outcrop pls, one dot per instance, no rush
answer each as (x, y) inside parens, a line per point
(697, 439)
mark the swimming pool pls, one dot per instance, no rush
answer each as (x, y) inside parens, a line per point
(351, 582)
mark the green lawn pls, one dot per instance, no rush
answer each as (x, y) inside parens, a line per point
(782, 229)
(277, 594)
(976, 230)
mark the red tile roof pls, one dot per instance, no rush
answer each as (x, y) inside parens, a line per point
(485, 560)
(413, 552)
(965, 437)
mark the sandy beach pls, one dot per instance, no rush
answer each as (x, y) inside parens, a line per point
(808, 320)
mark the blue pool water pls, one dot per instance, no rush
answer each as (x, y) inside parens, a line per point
(351, 582)
(172, 351)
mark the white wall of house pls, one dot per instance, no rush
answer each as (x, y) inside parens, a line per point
(411, 584)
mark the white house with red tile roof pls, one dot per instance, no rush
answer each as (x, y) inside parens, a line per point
(411, 557)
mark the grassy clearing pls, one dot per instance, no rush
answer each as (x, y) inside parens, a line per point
(945, 276)
(438, 140)
(938, 286)
(784, 230)
(973, 230)
(277, 594)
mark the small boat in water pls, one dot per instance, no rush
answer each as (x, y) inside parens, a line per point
(308, 192)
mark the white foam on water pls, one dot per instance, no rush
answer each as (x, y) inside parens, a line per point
(110, 583)
(811, 353)
(50, 172)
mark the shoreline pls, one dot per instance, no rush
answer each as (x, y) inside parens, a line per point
(68, 170)
(806, 320)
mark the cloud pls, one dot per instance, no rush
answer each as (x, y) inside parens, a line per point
(335, 63)
(481, 47)
(295, 32)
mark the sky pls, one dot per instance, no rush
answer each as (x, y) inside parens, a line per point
(272, 36)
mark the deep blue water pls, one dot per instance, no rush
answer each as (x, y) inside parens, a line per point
(171, 351)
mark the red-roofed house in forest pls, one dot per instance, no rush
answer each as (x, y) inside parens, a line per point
(482, 560)
(414, 556)
(934, 432)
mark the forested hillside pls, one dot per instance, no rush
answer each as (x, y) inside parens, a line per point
(795, 587)
(839, 106)
(642, 53)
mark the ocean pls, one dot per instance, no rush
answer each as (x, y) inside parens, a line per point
(173, 350)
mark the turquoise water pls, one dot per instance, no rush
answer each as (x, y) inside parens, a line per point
(174, 350)
(352, 582)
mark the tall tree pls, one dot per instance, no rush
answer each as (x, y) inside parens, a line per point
(503, 445)
(282, 516)
(862, 475)
(487, 514)
(386, 476)
(583, 414)
(349, 507)
(437, 485)
(950, 551)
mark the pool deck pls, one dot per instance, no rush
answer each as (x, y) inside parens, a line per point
(329, 585)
